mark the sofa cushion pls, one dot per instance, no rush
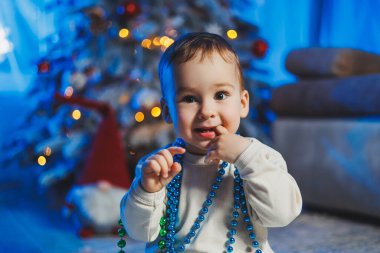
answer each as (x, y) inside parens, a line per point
(338, 97)
(329, 62)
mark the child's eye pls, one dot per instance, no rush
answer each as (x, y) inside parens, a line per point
(188, 99)
(221, 95)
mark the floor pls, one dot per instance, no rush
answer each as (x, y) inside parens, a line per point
(31, 224)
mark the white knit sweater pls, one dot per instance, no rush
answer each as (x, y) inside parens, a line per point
(273, 200)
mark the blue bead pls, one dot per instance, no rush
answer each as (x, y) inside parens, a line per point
(201, 217)
(219, 179)
(255, 244)
(177, 185)
(236, 206)
(234, 223)
(235, 214)
(221, 172)
(246, 218)
(215, 186)
(187, 240)
(171, 227)
(196, 225)
(237, 187)
(204, 210)
(236, 172)
(208, 202)
(224, 164)
(168, 244)
(176, 193)
(181, 248)
(231, 240)
(244, 210)
(192, 233)
(236, 180)
(211, 194)
(236, 197)
(249, 227)
(232, 231)
(243, 202)
(258, 251)
(230, 249)
(252, 235)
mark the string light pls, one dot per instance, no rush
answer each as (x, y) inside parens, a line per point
(156, 111)
(41, 160)
(69, 92)
(47, 151)
(139, 116)
(146, 43)
(232, 34)
(76, 114)
(156, 41)
(123, 33)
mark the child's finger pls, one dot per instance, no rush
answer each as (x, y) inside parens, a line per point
(175, 169)
(176, 150)
(154, 166)
(168, 156)
(160, 159)
(219, 129)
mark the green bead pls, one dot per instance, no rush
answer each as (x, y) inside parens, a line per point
(120, 223)
(161, 244)
(163, 232)
(121, 243)
(162, 221)
(121, 232)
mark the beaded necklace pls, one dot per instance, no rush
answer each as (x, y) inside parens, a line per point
(168, 243)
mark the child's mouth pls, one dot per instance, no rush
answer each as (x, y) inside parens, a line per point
(207, 132)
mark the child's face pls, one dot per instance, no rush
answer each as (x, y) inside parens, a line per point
(201, 96)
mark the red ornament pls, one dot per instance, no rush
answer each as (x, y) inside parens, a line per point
(259, 48)
(132, 9)
(43, 67)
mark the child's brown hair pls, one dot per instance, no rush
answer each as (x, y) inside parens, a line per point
(186, 48)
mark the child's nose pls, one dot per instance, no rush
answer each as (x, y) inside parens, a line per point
(206, 111)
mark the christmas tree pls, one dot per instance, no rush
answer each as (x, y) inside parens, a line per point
(105, 55)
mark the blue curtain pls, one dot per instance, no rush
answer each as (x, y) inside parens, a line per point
(303, 23)
(350, 23)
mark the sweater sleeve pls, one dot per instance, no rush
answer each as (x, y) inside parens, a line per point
(273, 196)
(141, 211)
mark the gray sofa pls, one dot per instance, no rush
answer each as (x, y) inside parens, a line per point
(328, 128)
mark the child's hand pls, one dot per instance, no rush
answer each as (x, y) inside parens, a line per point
(225, 146)
(159, 169)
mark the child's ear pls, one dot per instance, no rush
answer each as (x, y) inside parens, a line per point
(244, 101)
(165, 111)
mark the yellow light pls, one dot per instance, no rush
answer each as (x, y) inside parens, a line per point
(156, 41)
(76, 114)
(156, 111)
(69, 91)
(41, 160)
(139, 116)
(146, 43)
(47, 151)
(168, 42)
(123, 33)
(232, 34)
(163, 40)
